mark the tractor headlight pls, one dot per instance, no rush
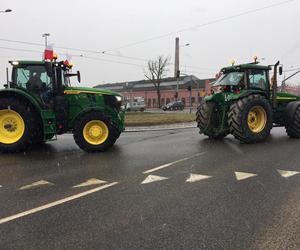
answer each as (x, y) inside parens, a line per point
(119, 98)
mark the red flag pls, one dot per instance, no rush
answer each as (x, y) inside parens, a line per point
(48, 53)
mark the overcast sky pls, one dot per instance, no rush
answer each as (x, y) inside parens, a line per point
(272, 33)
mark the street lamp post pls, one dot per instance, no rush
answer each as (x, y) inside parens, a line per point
(46, 35)
(5, 11)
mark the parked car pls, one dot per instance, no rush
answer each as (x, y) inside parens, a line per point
(178, 105)
(136, 106)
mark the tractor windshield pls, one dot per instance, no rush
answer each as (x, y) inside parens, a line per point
(231, 78)
(65, 79)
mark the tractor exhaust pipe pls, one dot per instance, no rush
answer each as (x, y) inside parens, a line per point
(274, 86)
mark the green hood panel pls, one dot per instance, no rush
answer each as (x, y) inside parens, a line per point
(78, 90)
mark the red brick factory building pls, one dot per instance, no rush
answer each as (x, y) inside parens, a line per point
(145, 88)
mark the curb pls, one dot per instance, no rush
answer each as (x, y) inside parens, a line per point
(158, 128)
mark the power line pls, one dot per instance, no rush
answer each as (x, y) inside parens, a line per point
(73, 49)
(112, 61)
(85, 57)
(126, 57)
(43, 45)
(196, 67)
(23, 50)
(294, 69)
(153, 38)
(199, 25)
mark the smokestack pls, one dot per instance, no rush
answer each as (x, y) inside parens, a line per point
(176, 66)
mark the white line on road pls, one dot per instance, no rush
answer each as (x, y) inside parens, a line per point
(243, 175)
(90, 182)
(152, 178)
(55, 203)
(197, 177)
(172, 163)
(286, 173)
(36, 184)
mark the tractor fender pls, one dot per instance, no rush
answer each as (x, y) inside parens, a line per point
(22, 95)
(83, 112)
(24, 98)
(247, 93)
(291, 109)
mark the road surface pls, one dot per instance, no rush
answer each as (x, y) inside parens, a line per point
(168, 189)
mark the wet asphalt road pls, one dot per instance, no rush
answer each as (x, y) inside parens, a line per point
(220, 210)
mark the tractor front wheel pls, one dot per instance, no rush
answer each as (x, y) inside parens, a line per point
(293, 126)
(205, 121)
(250, 119)
(95, 133)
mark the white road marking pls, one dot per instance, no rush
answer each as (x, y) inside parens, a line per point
(171, 163)
(36, 184)
(153, 178)
(0, 186)
(55, 203)
(197, 177)
(286, 173)
(90, 182)
(242, 175)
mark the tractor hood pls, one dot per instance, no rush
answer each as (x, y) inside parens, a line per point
(78, 90)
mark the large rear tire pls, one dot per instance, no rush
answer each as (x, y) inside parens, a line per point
(18, 126)
(293, 127)
(204, 114)
(250, 119)
(95, 133)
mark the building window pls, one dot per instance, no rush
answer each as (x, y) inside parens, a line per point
(149, 103)
(168, 100)
(193, 100)
(153, 103)
(162, 101)
(183, 100)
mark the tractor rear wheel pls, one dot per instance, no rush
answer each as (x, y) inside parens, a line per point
(18, 126)
(250, 119)
(95, 133)
(204, 115)
(293, 127)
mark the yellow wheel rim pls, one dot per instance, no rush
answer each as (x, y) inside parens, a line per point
(95, 132)
(12, 126)
(257, 119)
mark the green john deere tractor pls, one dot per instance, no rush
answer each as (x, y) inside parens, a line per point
(245, 103)
(39, 103)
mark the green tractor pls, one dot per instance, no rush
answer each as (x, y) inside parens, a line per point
(245, 103)
(39, 103)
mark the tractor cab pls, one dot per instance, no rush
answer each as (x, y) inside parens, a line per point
(243, 77)
(43, 80)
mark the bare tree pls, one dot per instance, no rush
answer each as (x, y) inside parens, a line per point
(155, 72)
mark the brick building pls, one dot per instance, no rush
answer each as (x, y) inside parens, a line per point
(168, 86)
(295, 90)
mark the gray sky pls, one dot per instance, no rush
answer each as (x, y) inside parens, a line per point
(103, 25)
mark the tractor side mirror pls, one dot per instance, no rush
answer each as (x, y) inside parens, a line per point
(78, 76)
(280, 70)
(48, 66)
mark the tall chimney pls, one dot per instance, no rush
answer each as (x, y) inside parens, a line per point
(176, 66)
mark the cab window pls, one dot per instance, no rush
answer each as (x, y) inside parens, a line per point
(258, 79)
(26, 77)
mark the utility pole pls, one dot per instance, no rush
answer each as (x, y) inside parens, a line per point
(176, 66)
